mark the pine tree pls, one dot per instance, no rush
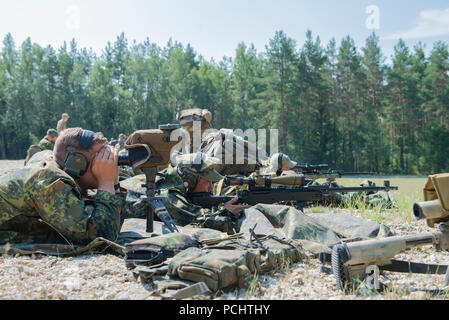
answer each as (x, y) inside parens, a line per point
(282, 87)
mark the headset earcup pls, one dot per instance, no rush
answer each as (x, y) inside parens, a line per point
(189, 179)
(75, 164)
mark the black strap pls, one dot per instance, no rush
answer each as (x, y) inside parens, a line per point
(414, 267)
(87, 140)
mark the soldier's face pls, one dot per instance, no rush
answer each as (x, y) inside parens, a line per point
(203, 185)
(65, 119)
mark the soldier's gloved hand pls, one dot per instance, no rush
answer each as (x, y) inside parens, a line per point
(236, 209)
(105, 168)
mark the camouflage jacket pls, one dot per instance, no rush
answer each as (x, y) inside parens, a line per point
(42, 204)
(46, 144)
(61, 126)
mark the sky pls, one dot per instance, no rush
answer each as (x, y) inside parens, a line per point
(214, 28)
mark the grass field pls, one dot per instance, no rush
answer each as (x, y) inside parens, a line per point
(410, 191)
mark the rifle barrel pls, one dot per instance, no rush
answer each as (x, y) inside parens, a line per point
(361, 189)
(344, 173)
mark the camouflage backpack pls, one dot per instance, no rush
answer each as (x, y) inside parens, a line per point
(233, 263)
(218, 269)
(225, 143)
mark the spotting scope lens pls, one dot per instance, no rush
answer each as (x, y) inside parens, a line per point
(123, 159)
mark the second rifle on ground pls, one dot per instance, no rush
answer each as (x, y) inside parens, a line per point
(293, 188)
(353, 262)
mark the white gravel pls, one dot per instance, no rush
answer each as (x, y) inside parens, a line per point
(105, 277)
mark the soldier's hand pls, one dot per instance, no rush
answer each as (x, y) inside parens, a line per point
(105, 168)
(118, 168)
(236, 209)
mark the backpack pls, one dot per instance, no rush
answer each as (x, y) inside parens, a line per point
(218, 143)
(218, 269)
(233, 263)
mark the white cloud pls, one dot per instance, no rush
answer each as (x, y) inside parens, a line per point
(431, 23)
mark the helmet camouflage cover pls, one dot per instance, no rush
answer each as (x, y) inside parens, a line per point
(185, 117)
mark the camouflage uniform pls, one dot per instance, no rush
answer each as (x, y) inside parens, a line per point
(176, 201)
(46, 144)
(61, 126)
(42, 204)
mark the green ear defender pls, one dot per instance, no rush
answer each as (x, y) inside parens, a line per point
(75, 164)
(189, 179)
(189, 173)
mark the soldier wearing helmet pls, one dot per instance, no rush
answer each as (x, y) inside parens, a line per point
(192, 121)
(279, 163)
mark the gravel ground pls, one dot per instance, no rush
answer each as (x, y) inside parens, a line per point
(105, 277)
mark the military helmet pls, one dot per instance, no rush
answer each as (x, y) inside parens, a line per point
(193, 166)
(186, 116)
(279, 160)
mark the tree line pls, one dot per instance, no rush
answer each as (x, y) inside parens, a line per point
(332, 103)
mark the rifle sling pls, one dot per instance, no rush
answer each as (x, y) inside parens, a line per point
(414, 267)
